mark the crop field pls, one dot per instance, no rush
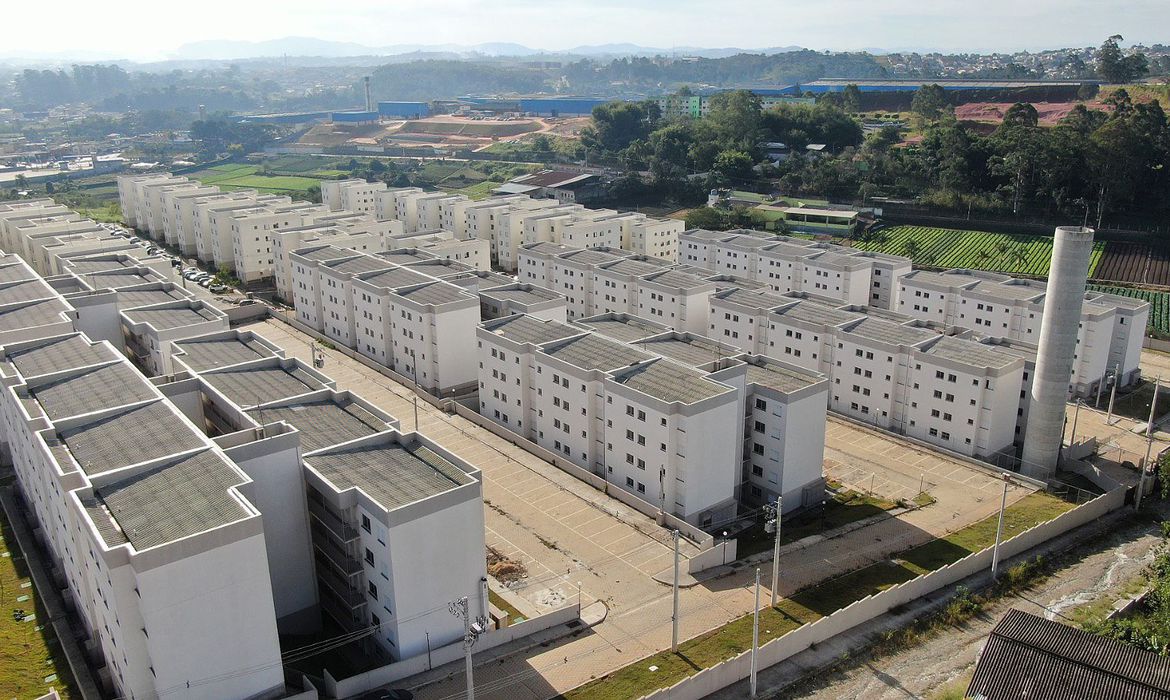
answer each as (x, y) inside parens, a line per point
(1135, 262)
(1159, 303)
(978, 250)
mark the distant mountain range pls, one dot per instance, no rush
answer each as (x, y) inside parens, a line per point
(306, 46)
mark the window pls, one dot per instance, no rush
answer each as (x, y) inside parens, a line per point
(758, 449)
(642, 416)
(641, 487)
(366, 523)
(629, 482)
(372, 589)
(369, 557)
(759, 428)
(761, 405)
(629, 410)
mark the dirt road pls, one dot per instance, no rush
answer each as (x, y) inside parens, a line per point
(1091, 571)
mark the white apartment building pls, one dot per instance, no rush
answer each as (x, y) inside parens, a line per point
(371, 311)
(207, 220)
(285, 241)
(521, 298)
(652, 425)
(678, 299)
(353, 195)
(431, 330)
(247, 246)
(189, 208)
(615, 283)
(1111, 327)
(172, 210)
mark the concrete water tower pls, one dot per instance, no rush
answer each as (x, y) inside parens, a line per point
(1067, 276)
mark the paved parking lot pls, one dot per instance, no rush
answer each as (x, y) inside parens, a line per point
(566, 533)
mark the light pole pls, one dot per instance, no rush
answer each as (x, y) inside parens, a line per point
(1007, 480)
(1112, 394)
(1137, 503)
(755, 632)
(472, 628)
(674, 615)
(774, 517)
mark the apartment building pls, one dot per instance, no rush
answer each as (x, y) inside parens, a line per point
(1109, 337)
(639, 413)
(431, 328)
(243, 238)
(132, 198)
(173, 219)
(615, 283)
(371, 312)
(208, 221)
(676, 298)
(189, 209)
(521, 298)
(353, 195)
(285, 241)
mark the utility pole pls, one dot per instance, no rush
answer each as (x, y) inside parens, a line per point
(1076, 414)
(755, 632)
(1113, 394)
(472, 628)
(772, 517)
(999, 528)
(674, 616)
(1137, 503)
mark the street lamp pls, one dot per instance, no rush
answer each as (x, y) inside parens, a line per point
(1007, 481)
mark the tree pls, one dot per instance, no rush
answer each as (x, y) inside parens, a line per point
(1115, 67)
(851, 99)
(21, 182)
(705, 217)
(735, 166)
(618, 124)
(931, 102)
(736, 118)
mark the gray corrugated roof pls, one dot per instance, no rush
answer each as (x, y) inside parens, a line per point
(754, 299)
(637, 268)
(546, 247)
(36, 314)
(596, 352)
(396, 277)
(529, 329)
(82, 267)
(203, 355)
(729, 281)
(780, 378)
(531, 295)
(147, 297)
(670, 382)
(441, 267)
(325, 253)
(391, 473)
(813, 312)
(1029, 657)
(404, 256)
(434, 293)
(693, 351)
(888, 332)
(257, 385)
(1022, 291)
(168, 502)
(16, 271)
(134, 435)
(624, 329)
(60, 354)
(681, 280)
(323, 423)
(364, 263)
(25, 291)
(162, 319)
(93, 390)
(590, 257)
(971, 353)
(112, 280)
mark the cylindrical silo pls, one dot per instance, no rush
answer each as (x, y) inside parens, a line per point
(1059, 328)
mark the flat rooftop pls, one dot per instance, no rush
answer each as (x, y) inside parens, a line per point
(395, 277)
(755, 299)
(84, 267)
(391, 473)
(323, 423)
(692, 350)
(325, 253)
(636, 268)
(138, 434)
(779, 377)
(669, 381)
(250, 386)
(547, 248)
(625, 329)
(678, 279)
(937, 278)
(16, 271)
(703, 234)
(201, 355)
(786, 249)
(59, 354)
(815, 312)
(162, 319)
(434, 293)
(522, 295)
(1024, 291)
(25, 291)
(529, 329)
(92, 390)
(148, 297)
(354, 266)
(596, 352)
(589, 257)
(168, 502)
(405, 256)
(38, 313)
(969, 352)
(890, 332)
(722, 282)
(113, 280)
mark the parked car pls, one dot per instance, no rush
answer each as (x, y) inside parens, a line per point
(205, 283)
(218, 288)
(247, 302)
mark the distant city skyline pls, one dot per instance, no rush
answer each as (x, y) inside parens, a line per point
(144, 31)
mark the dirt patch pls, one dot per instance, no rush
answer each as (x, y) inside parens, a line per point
(502, 568)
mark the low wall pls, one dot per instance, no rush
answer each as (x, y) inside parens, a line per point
(248, 312)
(701, 539)
(736, 669)
(364, 682)
(1155, 344)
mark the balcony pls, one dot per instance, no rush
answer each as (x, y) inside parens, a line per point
(339, 586)
(333, 522)
(340, 559)
(344, 615)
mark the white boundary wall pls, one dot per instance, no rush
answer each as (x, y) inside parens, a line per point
(736, 669)
(415, 665)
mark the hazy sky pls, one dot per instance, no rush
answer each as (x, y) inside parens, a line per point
(150, 29)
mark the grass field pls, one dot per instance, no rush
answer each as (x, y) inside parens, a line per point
(1159, 303)
(976, 250)
(480, 190)
(813, 603)
(27, 663)
(239, 176)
